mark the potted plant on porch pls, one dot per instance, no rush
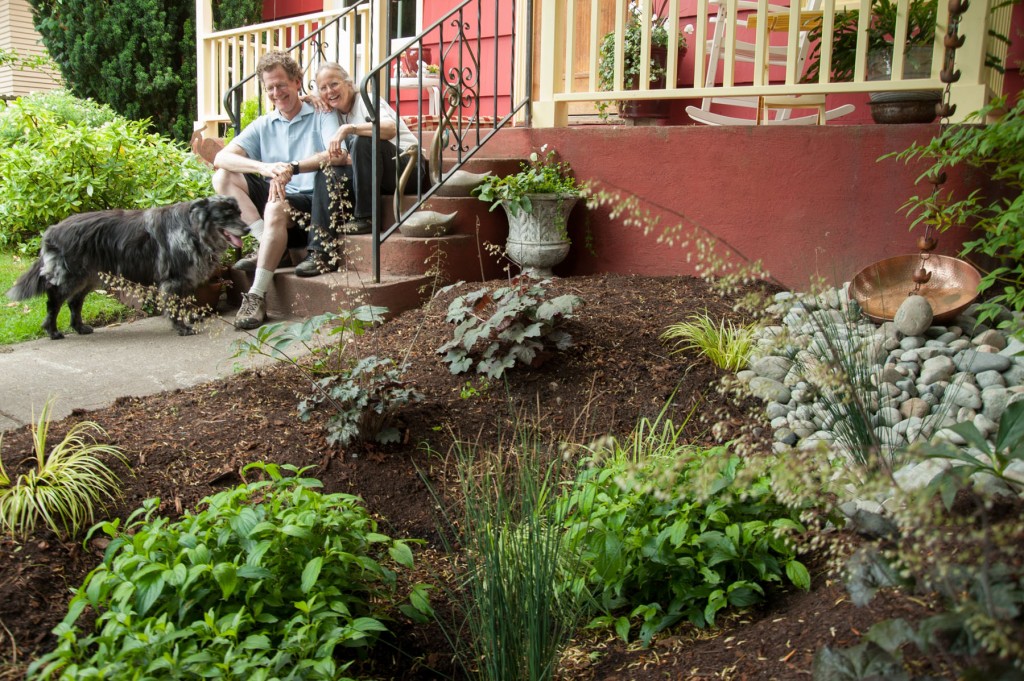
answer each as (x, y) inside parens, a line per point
(639, 108)
(903, 106)
(537, 201)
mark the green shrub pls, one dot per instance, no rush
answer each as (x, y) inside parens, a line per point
(512, 324)
(669, 533)
(727, 345)
(268, 581)
(138, 56)
(65, 487)
(62, 166)
(995, 149)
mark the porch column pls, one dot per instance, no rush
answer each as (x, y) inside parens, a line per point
(547, 113)
(971, 93)
(204, 78)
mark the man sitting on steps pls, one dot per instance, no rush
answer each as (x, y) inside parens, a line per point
(270, 168)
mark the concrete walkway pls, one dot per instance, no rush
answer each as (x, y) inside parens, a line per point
(90, 372)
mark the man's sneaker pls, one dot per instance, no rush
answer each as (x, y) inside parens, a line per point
(312, 265)
(246, 264)
(252, 313)
(357, 226)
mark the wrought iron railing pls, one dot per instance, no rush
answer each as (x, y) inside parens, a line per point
(471, 107)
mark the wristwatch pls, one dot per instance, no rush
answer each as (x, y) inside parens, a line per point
(295, 168)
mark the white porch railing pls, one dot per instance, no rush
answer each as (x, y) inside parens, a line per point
(561, 47)
(225, 58)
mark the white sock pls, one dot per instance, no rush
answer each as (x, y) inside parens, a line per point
(261, 282)
(256, 229)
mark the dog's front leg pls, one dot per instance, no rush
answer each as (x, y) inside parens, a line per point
(178, 307)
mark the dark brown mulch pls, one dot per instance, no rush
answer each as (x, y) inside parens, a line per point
(187, 444)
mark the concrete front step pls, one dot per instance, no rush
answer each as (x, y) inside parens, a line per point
(291, 296)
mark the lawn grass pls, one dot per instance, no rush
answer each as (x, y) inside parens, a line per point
(22, 321)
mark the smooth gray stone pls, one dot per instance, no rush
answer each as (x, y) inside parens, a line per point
(1014, 375)
(965, 414)
(890, 374)
(958, 345)
(916, 476)
(912, 343)
(915, 407)
(769, 390)
(914, 316)
(786, 436)
(889, 416)
(745, 375)
(987, 379)
(906, 425)
(985, 425)
(977, 362)
(1014, 347)
(774, 410)
(772, 367)
(991, 337)
(938, 368)
(935, 331)
(964, 395)
(947, 337)
(779, 422)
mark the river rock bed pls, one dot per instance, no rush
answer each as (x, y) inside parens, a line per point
(913, 387)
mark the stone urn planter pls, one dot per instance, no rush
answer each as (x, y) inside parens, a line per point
(537, 239)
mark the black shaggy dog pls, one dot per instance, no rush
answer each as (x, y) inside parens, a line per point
(175, 247)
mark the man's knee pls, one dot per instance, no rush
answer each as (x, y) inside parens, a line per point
(227, 182)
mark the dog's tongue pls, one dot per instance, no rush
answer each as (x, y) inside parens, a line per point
(233, 240)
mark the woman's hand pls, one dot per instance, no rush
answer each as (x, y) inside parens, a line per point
(317, 102)
(337, 144)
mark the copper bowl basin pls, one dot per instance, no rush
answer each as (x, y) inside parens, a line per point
(882, 287)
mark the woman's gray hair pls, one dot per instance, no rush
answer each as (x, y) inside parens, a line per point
(334, 66)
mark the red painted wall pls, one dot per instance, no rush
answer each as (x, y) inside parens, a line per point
(806, 200)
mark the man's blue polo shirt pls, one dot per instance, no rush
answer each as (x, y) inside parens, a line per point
(272, 138)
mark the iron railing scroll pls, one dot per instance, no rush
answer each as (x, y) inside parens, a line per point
(467, 117)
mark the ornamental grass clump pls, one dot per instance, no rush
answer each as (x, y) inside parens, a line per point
(728, 345)
(66, 487)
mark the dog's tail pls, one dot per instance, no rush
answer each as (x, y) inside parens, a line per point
(30, 284)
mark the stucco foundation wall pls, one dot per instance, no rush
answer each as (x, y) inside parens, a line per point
(806, 201)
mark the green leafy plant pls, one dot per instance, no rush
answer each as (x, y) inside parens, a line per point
(728, 344)
(496, 329)
(881, 28)
(631, 45)
(999, 218)
(544, 174)
(61, 164)
(67, 485)
(324, 337)
(365, 399)
(270, 580)
(668, 533)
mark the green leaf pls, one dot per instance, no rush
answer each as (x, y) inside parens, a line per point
(622, 628)
(226, 576)
(311, 573)
(401, 554)
(798, 575)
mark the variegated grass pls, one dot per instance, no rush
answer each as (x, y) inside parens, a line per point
(65, 488)
(726, 344)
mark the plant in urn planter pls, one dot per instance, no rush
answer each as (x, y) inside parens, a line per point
(631, 46)
(537, 201)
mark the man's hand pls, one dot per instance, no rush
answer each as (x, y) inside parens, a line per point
(280, 171)
(277, 192)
